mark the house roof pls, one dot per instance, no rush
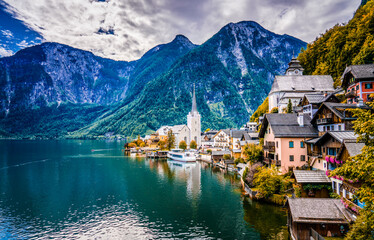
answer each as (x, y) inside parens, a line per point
(220, 153)
(340, 136)
(307, 176)
(238, 133)
(364, 71)
(178, 128)
(226, 131)
(354, 148)
(338, 109)
(318, 98)
(319, 210)
(304, 83)
(312, 141)
(286, 125)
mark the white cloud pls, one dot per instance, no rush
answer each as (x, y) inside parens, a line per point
(7, 33)
(124, 30)
(5, 52)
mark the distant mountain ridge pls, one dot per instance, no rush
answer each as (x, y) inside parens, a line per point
(233, 72)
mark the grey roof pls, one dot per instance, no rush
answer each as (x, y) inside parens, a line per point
(360, 71)
(304, 83)
(307, 176)
(178, 128)
(312, 141)
(338, 109)
(319, 210)
(238, 133)
(353, 148)
(220, 153)
(286, 125)
(340, 136)
(293, 95)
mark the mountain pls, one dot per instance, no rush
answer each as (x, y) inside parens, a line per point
(233, 72)
(342, 45)
(53, 89)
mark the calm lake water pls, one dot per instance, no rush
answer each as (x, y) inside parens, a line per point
(88, 189)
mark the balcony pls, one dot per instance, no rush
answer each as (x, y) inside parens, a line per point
(269, 147)
(322, 121)
(276, 163)
(315, 154)
(351, 94)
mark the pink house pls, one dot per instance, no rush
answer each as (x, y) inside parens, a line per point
(284, 139)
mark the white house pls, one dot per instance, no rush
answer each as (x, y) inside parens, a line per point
(222, 138)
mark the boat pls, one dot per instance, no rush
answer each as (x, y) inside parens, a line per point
(181, 156)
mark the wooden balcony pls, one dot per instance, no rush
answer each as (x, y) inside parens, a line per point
(269, 147)
(351, 94)
(322, 121)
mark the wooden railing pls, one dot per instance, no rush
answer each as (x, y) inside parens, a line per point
(315, 235)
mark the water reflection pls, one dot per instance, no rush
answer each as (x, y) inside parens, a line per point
(190, 173)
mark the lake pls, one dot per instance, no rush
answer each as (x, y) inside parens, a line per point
(81, 189)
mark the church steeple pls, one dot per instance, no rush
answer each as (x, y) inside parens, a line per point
(294, 67)
(194, 107)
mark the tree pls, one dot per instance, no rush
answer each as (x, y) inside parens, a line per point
(142, 144)
(183, 145)
(227, 156)
(171, 140)
(289, 106)
(274, 110)
(162, 144)
(261, 110)
(267, 181)
(131, 145)
(361, 168)
(253, 152)
(193, 144)
(207, 130)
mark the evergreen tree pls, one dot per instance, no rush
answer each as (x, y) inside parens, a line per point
(170, 141)
(289, 106)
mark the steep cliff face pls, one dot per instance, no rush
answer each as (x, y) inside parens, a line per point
(54, 73)
(233, 72)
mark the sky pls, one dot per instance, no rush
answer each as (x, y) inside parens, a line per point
(126, 29)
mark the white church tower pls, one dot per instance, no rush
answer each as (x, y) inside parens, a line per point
(194, 122)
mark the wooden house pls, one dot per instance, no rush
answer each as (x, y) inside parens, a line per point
(312, 183)
(312, 102)
(325, 217)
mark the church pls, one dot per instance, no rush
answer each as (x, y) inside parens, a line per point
(294, 85)
(189, 132)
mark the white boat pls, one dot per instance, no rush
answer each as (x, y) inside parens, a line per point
(181, 156)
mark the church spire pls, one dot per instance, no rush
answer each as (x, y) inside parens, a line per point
(194, 107)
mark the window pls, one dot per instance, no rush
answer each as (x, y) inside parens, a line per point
(368, 85)
(323, 150)
(302, 144)
(269, 130)
(277, 144)
(276, 157)
(291, 158)
(324, 128)
(290, 144)
(340, 128)
(332, 128)
(302, 158)
(328, 128)
(357, 87)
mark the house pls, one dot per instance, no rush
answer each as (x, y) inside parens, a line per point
(222, 139)
(307, 179)
(358, 81)
(284, 139)
(248, 138)
(250, 127)
(333, 116)
(207, 140)
(153, 140)
(294, 85)
(347, 188)
(312, 216)
(217, 156)
(236, 137)
(322, 151)
(312, 102)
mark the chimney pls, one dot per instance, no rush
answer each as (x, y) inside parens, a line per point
(360, 102)
(300, 119)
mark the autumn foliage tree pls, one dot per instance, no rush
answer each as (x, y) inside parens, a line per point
(183, 145)
(252, 152)
(193, 144)
(170, 142)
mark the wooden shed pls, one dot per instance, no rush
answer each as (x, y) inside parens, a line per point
(313, 183)
(327, 217)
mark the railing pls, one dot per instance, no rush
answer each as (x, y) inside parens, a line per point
(276, 162)
(315, 235)
(350, 94)
(315, 154)
(269, 146)
(324, 121)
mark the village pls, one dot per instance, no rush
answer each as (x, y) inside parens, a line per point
(305, 134)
